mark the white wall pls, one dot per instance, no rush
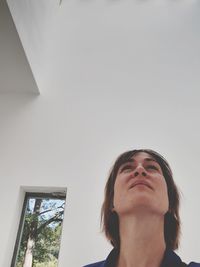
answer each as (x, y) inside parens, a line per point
(13, 62)
(113, 75)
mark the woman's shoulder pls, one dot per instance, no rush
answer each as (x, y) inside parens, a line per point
(170, 259)
(193, 264)
(101, 264)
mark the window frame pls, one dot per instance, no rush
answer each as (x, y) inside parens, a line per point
(53, 195)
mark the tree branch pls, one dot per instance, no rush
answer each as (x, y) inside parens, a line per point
(56, 218)
(45, 211)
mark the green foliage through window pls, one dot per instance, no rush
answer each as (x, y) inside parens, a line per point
(40, 230)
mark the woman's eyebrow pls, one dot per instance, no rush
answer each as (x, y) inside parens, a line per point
(126, 162)
(153, 160)
(150, 159)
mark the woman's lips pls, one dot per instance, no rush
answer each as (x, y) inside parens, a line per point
(144, 183)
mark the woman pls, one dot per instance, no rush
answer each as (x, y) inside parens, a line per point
(140, 213)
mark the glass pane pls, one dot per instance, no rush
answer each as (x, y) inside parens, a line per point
(41, 232)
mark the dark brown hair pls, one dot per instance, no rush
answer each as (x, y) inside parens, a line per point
(109, 218)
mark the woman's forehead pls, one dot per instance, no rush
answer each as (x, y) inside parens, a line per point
(138, 155)
(143, 155)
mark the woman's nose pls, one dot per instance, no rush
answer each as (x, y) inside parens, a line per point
(139, 171)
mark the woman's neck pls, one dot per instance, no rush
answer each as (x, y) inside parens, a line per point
(142, 242)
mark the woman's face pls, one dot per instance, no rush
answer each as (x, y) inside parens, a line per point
(140, 187)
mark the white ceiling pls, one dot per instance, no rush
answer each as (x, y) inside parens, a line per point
(112, 44)
(15, 72)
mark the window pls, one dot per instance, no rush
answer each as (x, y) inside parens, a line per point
(39, 234)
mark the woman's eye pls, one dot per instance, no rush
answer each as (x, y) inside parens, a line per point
(126, 168)
(152, 167)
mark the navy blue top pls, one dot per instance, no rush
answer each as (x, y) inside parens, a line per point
(170, 259)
